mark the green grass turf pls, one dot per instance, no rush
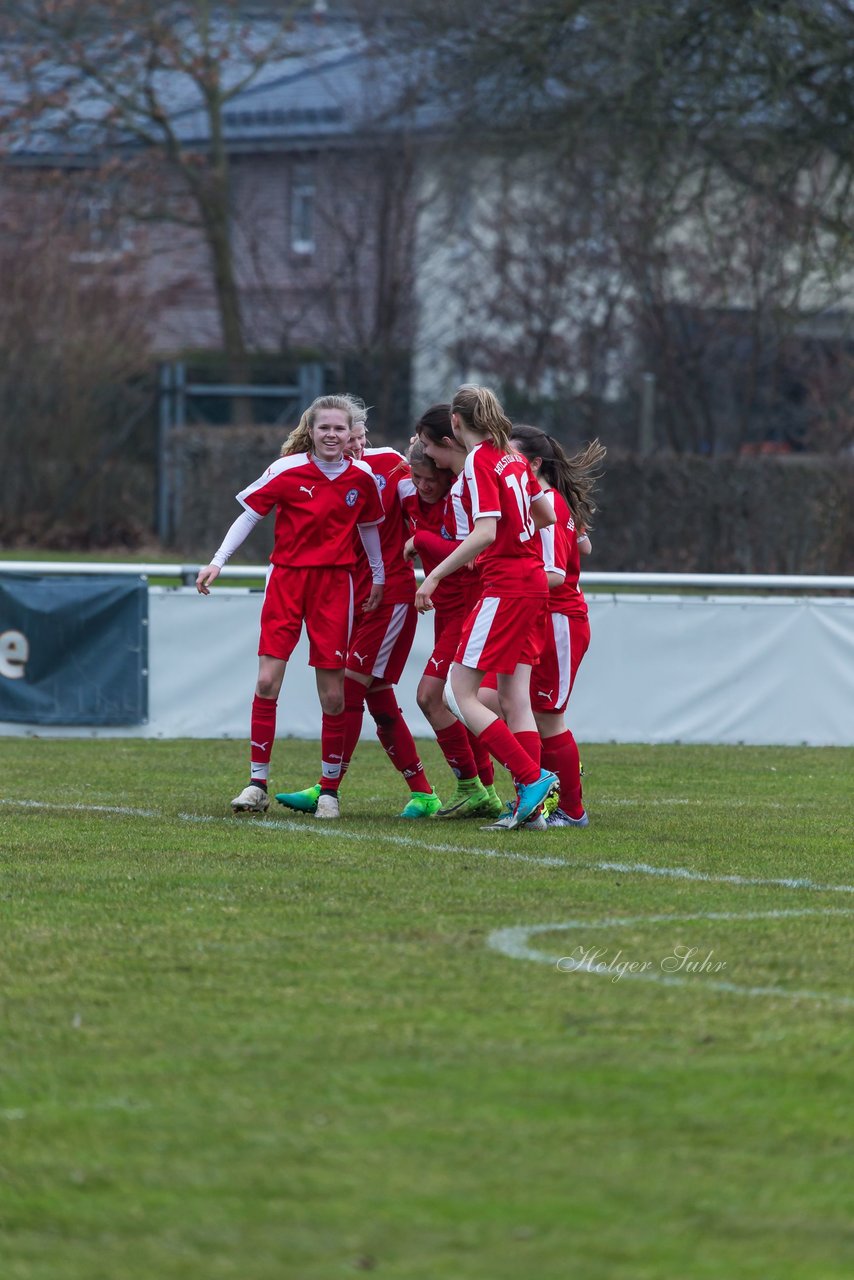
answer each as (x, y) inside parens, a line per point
(279, 1048)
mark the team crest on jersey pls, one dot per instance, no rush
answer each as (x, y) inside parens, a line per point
(446, 535)
(380, 481)
(352, 497)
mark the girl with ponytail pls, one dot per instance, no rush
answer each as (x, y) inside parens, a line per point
(437, 530)
(505, 630)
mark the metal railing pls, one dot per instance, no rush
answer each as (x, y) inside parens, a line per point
(727, 581)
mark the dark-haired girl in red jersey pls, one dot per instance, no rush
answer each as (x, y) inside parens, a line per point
(569, 483)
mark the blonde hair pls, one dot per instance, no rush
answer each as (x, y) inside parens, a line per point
(359, 408)
(299, 441)
(481, 411)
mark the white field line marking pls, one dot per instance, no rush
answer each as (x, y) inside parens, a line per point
(513, 942)
(706, 802)
(625, 868)
(406, 842)
(84, 808)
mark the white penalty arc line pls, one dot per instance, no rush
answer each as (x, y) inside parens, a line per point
(407, 842)
(514, 943)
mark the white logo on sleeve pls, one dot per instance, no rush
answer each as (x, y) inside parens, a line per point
(310, 491)
(359, 657)
(437, 662)
(14, 654)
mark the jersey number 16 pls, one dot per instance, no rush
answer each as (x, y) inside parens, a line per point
(523, 502)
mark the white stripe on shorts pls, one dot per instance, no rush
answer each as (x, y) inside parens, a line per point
(486, 612)
(350, 611)
(395, 626)
(563, 648)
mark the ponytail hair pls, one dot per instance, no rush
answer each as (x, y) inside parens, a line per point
(481, 411)
(574, 477)
(299, 441)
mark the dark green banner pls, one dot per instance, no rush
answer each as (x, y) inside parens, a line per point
(73, 650)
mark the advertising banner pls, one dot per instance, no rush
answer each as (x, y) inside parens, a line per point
(73, 651)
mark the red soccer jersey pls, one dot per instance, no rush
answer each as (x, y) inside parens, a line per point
(315, 517)
(390, 470)
(567, 598)
(420, 515)
(433, 542)
(503, 485)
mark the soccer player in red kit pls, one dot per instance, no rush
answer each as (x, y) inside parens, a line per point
(469, 761)
(569, 483)
(382, 638)
(505, 631)
(321, 497)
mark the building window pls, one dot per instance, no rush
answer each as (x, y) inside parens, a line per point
(97, 227)
(302, 210)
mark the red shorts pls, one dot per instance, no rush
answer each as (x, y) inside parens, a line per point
(500, 633)
(381, 641)
(554, 675)
(446, 638)
(321, 596)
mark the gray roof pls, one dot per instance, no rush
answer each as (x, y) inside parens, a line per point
(330, 84)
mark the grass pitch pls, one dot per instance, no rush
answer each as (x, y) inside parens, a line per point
(283, 1049)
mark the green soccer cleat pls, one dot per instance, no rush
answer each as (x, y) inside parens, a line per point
(551, 803)
(466, 800)
(302, 801)
(492, 806)
(502, 822)
(422, 805)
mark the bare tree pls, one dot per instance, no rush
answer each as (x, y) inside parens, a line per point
(73, 400)
(144, 87)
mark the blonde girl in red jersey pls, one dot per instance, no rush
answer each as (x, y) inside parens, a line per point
(569, 482)
(320, 497)
(381, 639)
(468, 760)
(505, 631)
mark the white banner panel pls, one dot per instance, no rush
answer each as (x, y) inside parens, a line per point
(697, 669)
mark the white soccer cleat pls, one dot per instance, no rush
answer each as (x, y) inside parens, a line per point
(252, 799)
(327, 806)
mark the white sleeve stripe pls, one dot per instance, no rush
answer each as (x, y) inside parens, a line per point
(461, 519)
(547, 540)
(276, 468)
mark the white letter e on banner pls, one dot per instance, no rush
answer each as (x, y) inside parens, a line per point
(14, 653)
